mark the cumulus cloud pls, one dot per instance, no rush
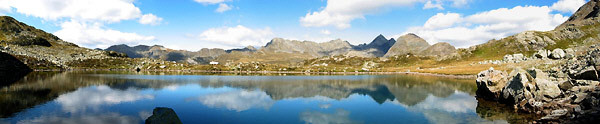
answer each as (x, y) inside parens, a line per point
(222, 8)
(84, 98)
(238, 100)
(150, 19)
(95, 35)
(82, 21)
(466, 30)
(567, 6)
(104, 10)
(238, 36)
(339, 13)
(430, 5)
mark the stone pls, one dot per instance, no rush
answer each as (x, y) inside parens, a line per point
(579, 97)
(162, 66)
(547, 88)
(163, 115)
(557, 54)
(565, 85)
(490, 83)
(508, 58)
(518, 57)
(570, 53)
(519, 82)
(542, 54)
(584, 73)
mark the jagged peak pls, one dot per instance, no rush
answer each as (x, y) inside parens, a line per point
(588, 11)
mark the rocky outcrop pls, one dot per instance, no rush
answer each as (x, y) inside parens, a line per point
(11, 69)
(570, 94)
(163, 115)
(583, 15)
(378, 47)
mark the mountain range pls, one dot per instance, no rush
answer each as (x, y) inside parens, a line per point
(293, 50)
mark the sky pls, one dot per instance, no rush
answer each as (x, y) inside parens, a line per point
(196, 24)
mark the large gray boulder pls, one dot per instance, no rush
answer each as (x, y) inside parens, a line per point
(518, 87)
(163, 115)
(490, 84)
(542, 54)
(557, 54)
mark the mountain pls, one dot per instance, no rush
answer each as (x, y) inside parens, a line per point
(41, 50)
(307, 47)
(439, 49)
(203, 56)
(584, 15)
(380, 44)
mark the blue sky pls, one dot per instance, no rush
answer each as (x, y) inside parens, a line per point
(196, 24)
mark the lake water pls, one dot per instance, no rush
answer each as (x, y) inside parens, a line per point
(128, 97)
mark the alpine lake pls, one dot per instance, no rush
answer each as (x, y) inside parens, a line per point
(114, 97)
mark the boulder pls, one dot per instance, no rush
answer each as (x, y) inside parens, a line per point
(508, 58)
(557, 54)
(518, 86)
(542, 54)
(547, 88)
(163, 115)
(490, 83)
(518, 57)
(565, 85)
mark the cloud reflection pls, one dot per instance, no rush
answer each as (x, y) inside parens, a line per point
(339, 117)
(238, 100)
(106, 118)
(96, 96)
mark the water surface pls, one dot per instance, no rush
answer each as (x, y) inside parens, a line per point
(126, 97)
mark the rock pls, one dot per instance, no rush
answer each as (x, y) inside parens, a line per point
(557, 54)
(565, 85)
(518, 57)
(508, 58)
(586, 73)
(547, 88)
(163, 115)
(579, 97)
(517, 86)
(570, 53)
(542, 54)
(490, 83)
(162, 66)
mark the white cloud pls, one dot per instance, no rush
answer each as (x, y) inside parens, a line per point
(464, 31)
(339, 13)
(95, 35)
(430, 5)
(93, 97)
(82, 21)
(210, 1)
(150, 19)
(222, 8)
(568, 6)
(238, 100)
(103, 10)
(238, 36)
(325, 32)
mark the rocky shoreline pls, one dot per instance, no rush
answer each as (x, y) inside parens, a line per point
(567, 93)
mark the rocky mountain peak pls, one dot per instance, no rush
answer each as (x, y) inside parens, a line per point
(583, 15)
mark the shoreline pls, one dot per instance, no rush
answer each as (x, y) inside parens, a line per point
(273, 72)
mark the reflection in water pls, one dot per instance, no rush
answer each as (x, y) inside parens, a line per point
(338, 117)
(104, 118)
(93, 97)
(82, 96)
(238, 100)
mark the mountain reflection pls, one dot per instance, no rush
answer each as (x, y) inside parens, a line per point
(439, 99)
